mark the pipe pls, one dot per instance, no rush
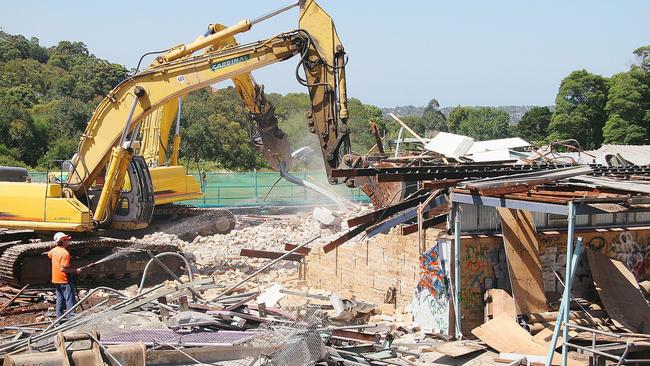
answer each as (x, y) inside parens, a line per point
(146, 268)
(136, 97)
(564, 305)
(176, 140)
(457, 267)
(340, 202)
(274, 13)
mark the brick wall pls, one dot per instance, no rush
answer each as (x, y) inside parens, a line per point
(369, 268)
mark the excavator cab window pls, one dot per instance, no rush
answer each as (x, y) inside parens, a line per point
(122, 207)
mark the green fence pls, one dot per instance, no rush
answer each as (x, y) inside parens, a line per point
(257, 188)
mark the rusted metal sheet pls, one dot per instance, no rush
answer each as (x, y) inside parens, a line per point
(345, 237)
(373, 217)
(255, 253)
(619, 292)
(301, 251)
(524, 265)
(427, 223)
(381, 194)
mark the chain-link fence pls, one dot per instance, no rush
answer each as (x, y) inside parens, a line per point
(259, 188)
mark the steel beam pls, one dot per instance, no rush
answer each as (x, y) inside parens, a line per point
(509, 203)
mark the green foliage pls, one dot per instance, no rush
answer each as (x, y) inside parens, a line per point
(643, 54)
(19, 133)
(216, 128)
(47, 97)
(18, 47)
(361, 116)
(432, 119)
(61, 149)
(64, 118)
(534, 124)
(580, 109)
(628, 108)
(481, 123)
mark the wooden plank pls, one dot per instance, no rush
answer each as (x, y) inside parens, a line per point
(13, 298)
(522, 253)
(620, 293)
(504, 335)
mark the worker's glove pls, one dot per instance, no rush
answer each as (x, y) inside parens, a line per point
(77, 271)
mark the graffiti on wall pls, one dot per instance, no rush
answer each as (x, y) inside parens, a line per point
(432, 273)
(634, 255)
(430, 305)
(631, 248)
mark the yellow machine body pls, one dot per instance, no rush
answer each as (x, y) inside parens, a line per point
(42, 207)
(172, 184)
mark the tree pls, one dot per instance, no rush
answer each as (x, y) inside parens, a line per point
(580, 109)
(643, 54)
(534, 124)
(361, 116)
(486, 123)
(628, 108)
(456, 117)
(432, 119)
(64, 118)
(19, 133)
(481, 123)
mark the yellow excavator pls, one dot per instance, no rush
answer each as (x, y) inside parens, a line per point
(109, 188)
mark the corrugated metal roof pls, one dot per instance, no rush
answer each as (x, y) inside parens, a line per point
(636, 154)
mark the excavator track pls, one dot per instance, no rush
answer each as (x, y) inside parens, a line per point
(23, 264)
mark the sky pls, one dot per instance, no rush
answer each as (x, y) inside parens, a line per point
(500, 52)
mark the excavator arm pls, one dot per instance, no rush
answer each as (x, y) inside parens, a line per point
(115, 122)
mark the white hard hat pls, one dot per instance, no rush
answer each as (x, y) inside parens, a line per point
(60, 236)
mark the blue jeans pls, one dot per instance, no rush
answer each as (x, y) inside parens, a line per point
(65, 298)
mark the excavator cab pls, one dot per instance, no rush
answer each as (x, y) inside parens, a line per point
(136, 203)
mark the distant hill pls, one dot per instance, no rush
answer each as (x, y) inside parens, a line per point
(515, 111)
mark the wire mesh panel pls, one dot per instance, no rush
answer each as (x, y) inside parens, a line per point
(299, 343)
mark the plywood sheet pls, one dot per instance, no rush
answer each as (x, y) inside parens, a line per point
(458, 348)
(498, 301)
(522, 252)
(504, 335)
(619, 292)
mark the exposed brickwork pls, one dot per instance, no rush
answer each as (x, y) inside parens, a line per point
(369, 268)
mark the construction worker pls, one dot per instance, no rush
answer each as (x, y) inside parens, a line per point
(60, 256)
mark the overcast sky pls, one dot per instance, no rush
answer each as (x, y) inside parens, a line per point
(400, 52)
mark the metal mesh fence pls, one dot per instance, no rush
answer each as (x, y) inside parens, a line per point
(297, 343)
(259, 188)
